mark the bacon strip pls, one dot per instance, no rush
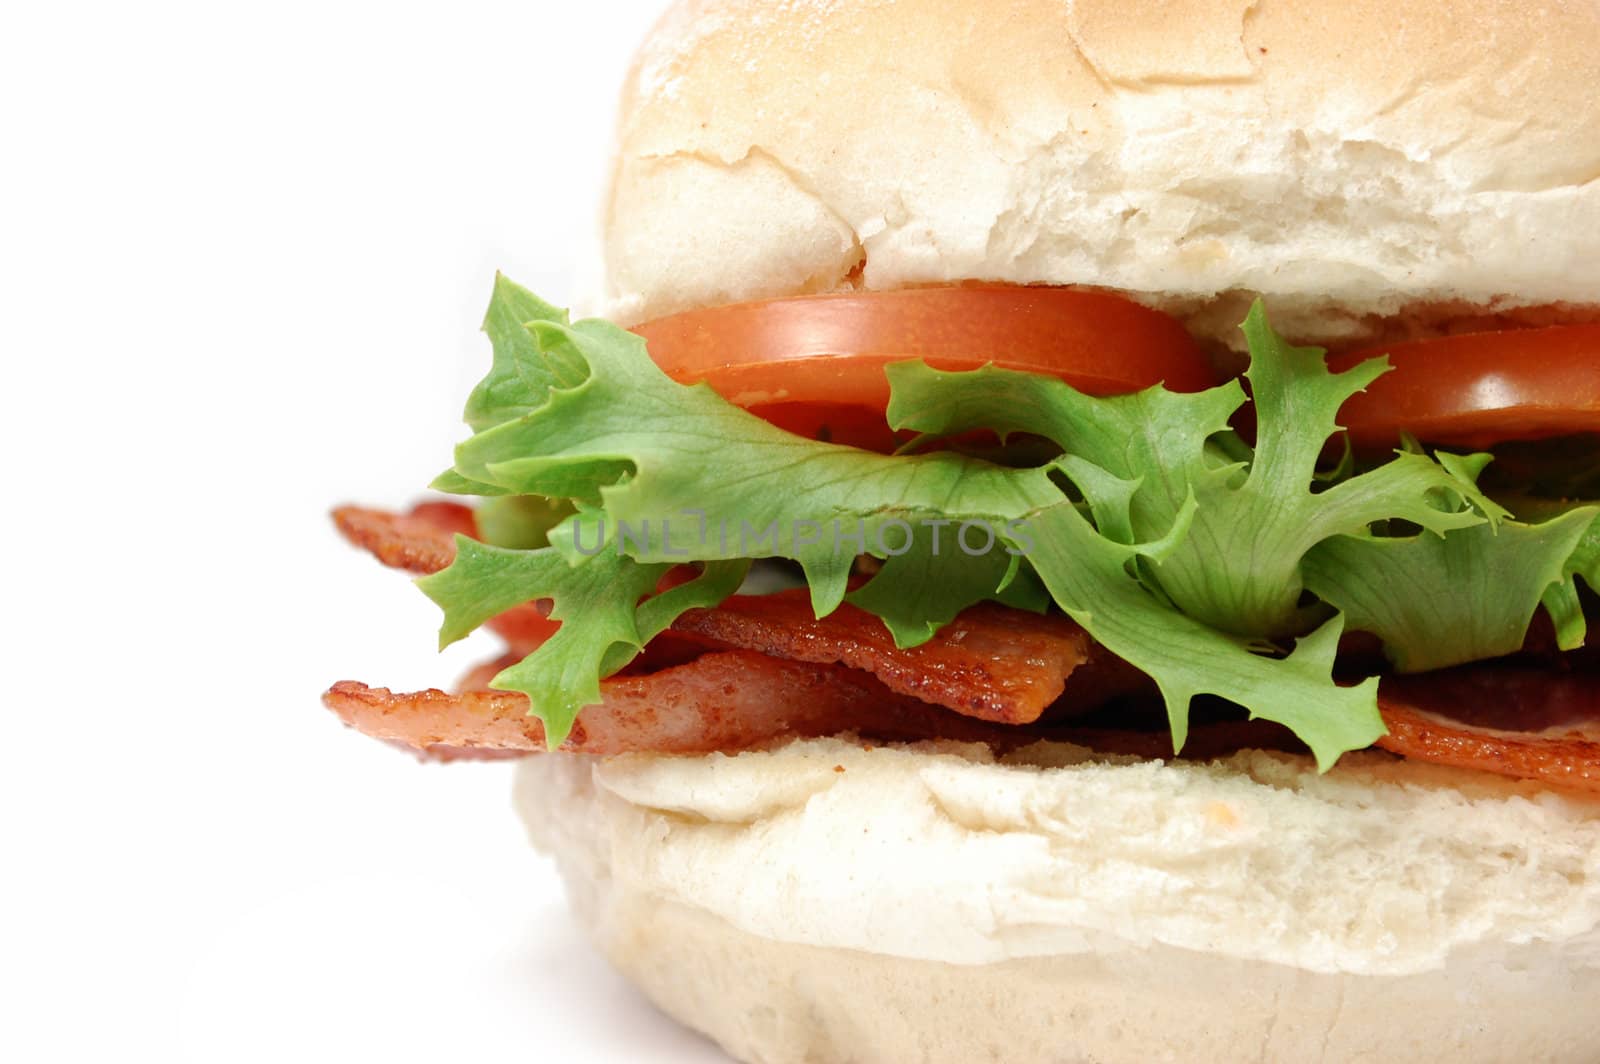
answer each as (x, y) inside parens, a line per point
(423, 541)
(726, 701)
(737, 700)
(1524, 724)
(991, 663)
(420, 541)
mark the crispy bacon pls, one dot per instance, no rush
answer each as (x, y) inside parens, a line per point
(791, 674)
(1521, 723)
(420, 541)
(992, 663)
(984, 664)
(725, 701)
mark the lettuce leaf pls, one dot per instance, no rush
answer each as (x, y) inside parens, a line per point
(522, 376)
(942, 572)
(520, 521)
(1437, 601)
(1561, 600)
(674, 472)
(1186, 657)
(1257, 516)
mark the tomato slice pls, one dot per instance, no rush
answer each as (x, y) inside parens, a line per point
(815, 364)
(1479, 389)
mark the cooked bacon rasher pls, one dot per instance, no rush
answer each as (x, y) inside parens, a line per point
(723, 701)
(983, 664)
(422, 540)
(989, 663)
(759, 669)
(1528, 724)
(738, 700)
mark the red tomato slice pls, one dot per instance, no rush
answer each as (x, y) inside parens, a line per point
(815, 364)
(1478, 389)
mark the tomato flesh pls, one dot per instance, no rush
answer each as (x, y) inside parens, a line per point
(1479, 389)
(815, 364)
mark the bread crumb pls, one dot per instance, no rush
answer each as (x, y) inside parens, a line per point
(1222, 815)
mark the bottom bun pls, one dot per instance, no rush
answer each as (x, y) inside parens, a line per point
(828, 901)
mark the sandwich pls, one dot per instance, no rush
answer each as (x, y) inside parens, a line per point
(1064, 532)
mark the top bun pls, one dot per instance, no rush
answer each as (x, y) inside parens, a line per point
(1347, 159)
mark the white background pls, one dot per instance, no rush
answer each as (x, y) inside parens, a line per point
(244, 250)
